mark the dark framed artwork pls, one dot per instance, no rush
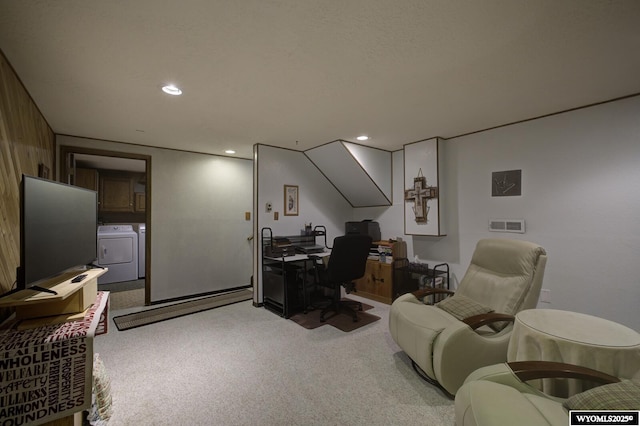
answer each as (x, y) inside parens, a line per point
(291, 197)
(506, 183)
(43, 171)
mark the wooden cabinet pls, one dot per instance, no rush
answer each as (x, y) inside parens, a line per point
(377, 283)
(140, 204)
(116, 193)
(378, 280)
(87, 178)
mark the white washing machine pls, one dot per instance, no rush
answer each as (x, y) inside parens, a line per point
(141, 229)
(118, 251)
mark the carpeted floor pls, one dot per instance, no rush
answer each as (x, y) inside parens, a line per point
(127, 294)
(240, 365)
(122, 286)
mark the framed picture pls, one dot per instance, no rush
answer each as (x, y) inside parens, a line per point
(506, 184)
(43, 171)
(291, 200)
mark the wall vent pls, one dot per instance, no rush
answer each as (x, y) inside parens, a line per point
(506, 225)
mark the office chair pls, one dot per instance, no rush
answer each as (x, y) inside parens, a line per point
(347, 263)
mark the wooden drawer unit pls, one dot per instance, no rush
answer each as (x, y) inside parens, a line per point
(377, 283)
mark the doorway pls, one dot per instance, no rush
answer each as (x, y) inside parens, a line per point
(123, 183)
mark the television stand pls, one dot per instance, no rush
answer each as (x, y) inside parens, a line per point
(58, 297)
(10, 292)
(34, 288)
(46, 290)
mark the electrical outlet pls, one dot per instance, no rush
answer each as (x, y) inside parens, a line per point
(268, 208)
(545, 295)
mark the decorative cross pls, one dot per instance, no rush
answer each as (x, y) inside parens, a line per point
(419, 194)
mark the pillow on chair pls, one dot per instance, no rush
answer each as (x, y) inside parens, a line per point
(462, 307)
(624, 395)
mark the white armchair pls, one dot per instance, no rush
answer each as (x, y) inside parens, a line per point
(499, 395)
(470, 329)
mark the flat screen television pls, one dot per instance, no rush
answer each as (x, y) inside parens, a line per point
(58, 230)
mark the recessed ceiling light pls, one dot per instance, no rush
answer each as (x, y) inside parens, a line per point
(230, 151)
(171, 90)
(363, 138)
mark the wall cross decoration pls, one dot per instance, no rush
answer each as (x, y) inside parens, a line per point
(419, 194)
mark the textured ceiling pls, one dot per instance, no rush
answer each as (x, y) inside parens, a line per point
(300, 73)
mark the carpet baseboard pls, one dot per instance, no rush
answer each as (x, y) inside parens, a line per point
(150, 316)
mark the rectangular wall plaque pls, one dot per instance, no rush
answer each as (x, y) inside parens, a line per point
(506, 184)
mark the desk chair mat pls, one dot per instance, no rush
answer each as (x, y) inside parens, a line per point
(342, 321)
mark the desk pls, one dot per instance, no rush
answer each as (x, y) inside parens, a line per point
(46, 371)
(574, 338)
(280, 282)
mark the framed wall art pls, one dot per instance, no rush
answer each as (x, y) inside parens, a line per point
(43, 171)
(506, 184)
(422, 188)
(291, 200)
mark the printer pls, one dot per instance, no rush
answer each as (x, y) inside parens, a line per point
(364, 227)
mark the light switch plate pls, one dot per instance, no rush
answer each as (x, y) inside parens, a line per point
(545, 295)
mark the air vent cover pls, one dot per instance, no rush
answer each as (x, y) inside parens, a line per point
(507, 225)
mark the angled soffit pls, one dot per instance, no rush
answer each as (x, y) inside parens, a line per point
(360, 173)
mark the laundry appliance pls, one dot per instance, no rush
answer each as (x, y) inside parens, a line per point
(118, 251)
(141, 229)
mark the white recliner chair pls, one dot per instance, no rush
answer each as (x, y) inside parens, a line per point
(470, 329)
(499, 395)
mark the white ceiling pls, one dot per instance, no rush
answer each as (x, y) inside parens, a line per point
(300, 73)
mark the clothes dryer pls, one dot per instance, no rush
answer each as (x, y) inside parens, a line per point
(118, 251)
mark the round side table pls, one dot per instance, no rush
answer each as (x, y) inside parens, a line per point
(574, 338)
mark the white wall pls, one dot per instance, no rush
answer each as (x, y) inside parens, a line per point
(391, 218)
(580, 200)
(320, 203)
(198, 229)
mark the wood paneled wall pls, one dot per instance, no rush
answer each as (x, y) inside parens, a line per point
(26, 142)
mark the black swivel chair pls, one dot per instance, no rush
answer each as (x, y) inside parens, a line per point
(347, 263)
